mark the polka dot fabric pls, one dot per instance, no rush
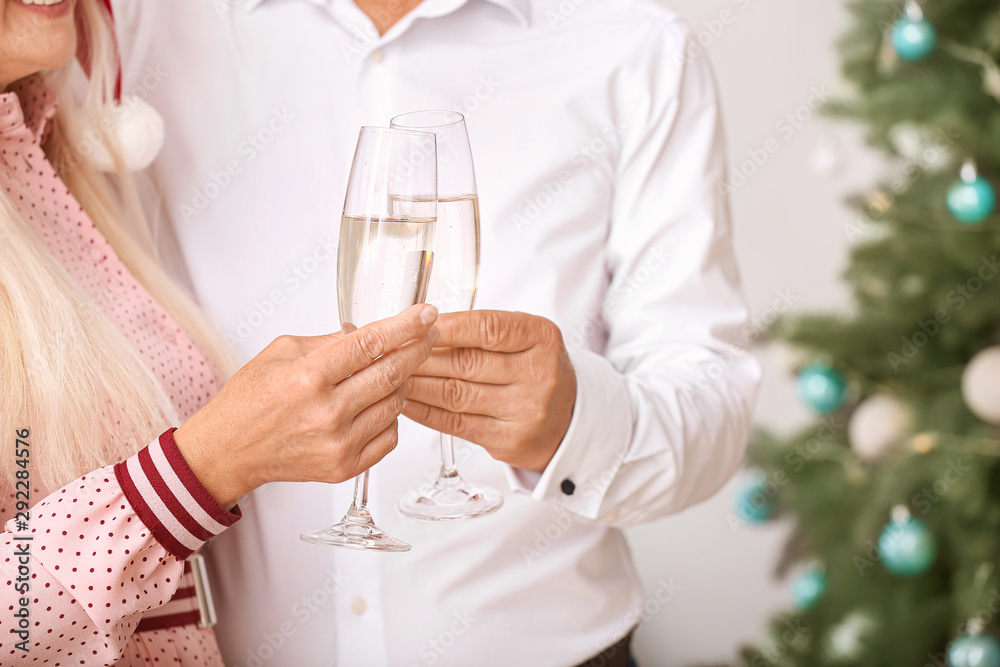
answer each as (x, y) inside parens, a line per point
(31, 183)
(95, 567)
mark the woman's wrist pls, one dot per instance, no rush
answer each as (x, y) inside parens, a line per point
(164, 492)
(212, 471)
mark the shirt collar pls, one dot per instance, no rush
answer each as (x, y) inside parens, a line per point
(520, 9)
(26, 109)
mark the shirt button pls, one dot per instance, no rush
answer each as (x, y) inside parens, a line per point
(358, 606)
(568, 487)
(377, 56)
(97, 254)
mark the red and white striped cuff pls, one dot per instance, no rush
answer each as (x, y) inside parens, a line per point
(169, 499)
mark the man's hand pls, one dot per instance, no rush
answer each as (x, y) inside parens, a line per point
(501, 380)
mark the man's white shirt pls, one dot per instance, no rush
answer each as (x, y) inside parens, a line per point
(599, 158)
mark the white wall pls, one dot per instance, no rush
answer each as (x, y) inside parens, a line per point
(789, 220)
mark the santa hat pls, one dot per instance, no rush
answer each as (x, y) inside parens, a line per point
(137, 125)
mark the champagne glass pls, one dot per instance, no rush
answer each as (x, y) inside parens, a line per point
(452, 289)
(383, 265)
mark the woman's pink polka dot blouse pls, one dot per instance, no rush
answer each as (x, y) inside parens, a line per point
(100, 566)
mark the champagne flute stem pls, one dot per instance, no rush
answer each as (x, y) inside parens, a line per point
(360, 504)
(448, 469)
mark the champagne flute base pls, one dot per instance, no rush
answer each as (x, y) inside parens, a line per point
(450, 499)
(356, 531)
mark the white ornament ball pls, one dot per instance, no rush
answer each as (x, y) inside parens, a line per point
(847, 638)
(826, 157)
(908, 139)
(981, 385)
(878, 423)
(919, 146)
(139, 130)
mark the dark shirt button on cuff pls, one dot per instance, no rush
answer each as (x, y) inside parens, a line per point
(568, 487)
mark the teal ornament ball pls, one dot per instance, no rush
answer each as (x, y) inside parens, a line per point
(913, 38)
(753, 502)
(907, 547)
(974, 651)
(971, 201)
(808, 587)
(822, 388)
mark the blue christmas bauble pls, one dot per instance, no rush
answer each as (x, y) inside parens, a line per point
(913, 38)
(974, 651)
(752, 502)
(907, 547)
(971, 201)
(808, 587)
(822, 388)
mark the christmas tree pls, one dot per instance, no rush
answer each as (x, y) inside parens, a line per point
(894, 559)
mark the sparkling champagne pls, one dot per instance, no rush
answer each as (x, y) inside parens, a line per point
(383, 266)
(455, 277)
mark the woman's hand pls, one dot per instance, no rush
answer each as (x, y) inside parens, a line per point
(319, 408)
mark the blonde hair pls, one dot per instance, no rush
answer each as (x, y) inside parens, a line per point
(69, 375)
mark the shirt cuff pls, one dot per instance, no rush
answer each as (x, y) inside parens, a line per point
(595, 445)
(169, 500)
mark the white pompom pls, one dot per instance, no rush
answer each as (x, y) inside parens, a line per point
(981, 385)
(139, 130)
(878, 423)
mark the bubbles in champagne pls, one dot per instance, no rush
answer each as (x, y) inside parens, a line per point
(383, 266)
